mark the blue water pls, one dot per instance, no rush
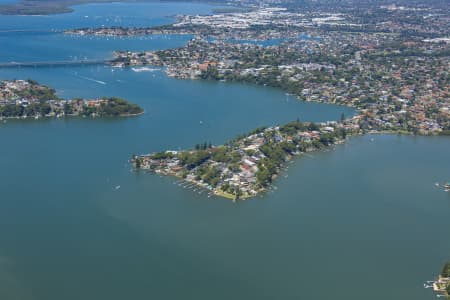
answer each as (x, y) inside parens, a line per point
(7, 1)
(363, 220)
(32, 46)
(190, 111)
(36, 38)
(111, 14)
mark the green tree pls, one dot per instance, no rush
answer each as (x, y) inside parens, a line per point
(446, 270)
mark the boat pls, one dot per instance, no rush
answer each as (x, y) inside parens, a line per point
(447, 187)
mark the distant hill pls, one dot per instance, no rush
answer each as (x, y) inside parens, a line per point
(46, 7)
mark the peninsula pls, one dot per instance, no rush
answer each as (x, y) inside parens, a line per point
(386, 62)
(247, 165)
(28, 99)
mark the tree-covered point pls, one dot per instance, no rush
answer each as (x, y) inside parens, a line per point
(162, 155)
(193, 159)
(36, 91)
(106, 107)
(118, 107)
(209, 174)
(446, 270)
(34, 109)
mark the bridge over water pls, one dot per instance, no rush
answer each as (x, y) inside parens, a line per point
(37, 64)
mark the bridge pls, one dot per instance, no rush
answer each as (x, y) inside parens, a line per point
(37, 64)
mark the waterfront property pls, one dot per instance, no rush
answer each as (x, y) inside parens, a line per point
(394, 70)
(66, 230)
(416, 103)
(246, 166)
(369, 69)
(28, 99)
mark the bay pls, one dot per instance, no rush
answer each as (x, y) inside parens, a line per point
(110, 14)
(361, 220)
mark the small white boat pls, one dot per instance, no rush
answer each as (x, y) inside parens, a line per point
(117, 187)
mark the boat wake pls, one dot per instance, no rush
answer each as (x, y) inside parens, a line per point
(144, 69)
(93, 80)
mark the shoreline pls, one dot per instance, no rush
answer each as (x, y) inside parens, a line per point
(283, 167)
(43, 8)
(68, 116)
(246, 167)
(27, 99)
